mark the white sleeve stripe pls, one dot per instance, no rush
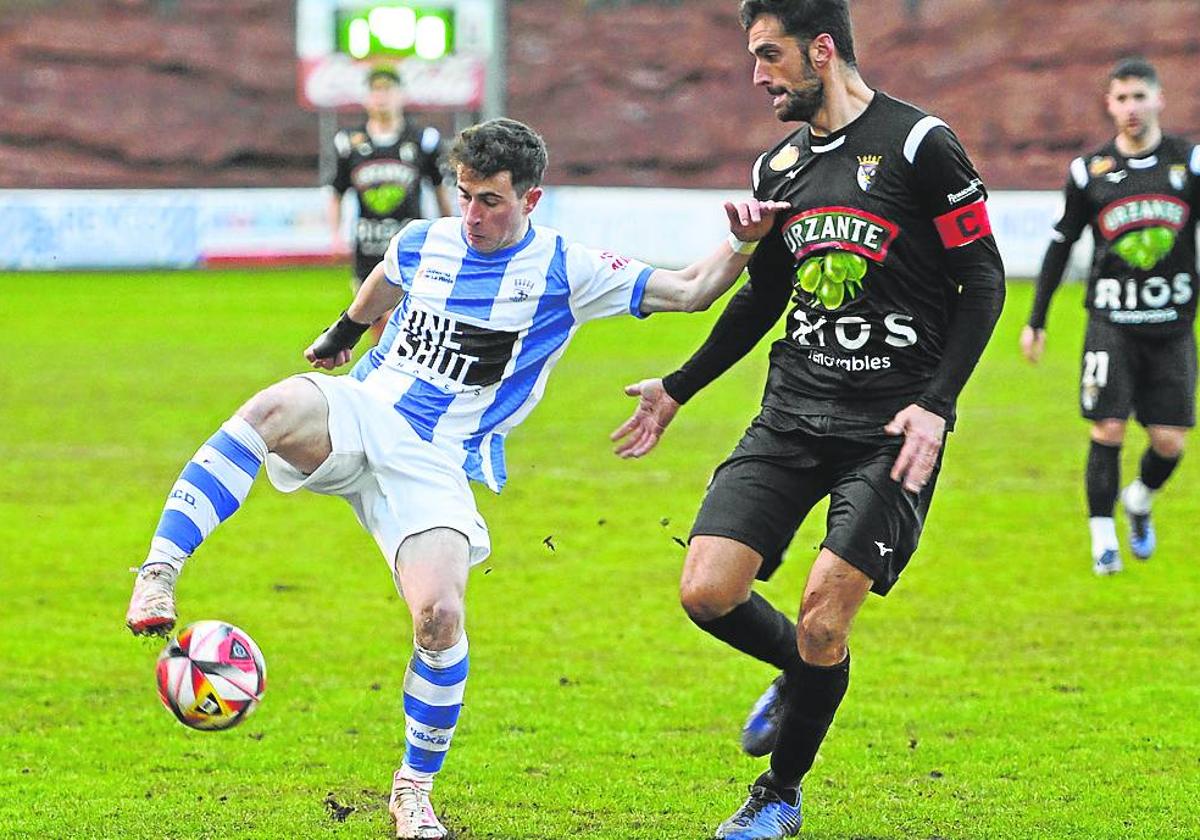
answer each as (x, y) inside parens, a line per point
(430, 139)
(341, 143)
(754, 171)
(1079, 173)
(1195, 163)
(916, 136)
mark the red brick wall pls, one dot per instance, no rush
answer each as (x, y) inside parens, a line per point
(146, 93)
(136, 93)
(633, 95)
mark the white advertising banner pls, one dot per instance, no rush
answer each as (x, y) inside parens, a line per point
(67, 229)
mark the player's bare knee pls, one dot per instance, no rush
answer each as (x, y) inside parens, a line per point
(260, 410)
(1109, 432)
(821, 637)
(704, 601)
(292, 417)
(706, 597)
(717, 577)
(438, 624)
(1167, 442)
(276, 409)
(1168, 449)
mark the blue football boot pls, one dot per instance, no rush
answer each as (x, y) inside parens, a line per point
(1141, 529)
(1108, 563)
(763, 816)
(1135, 498)
(1142, 539)
(762, 725)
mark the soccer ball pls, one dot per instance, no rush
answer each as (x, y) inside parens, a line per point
(211, 676)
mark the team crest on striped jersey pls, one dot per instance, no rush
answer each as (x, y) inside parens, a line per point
(522, 287)
(1100, 165)
(868, 168)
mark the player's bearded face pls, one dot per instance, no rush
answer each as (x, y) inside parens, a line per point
(803, 98)
(782, 66)
(1134, 105)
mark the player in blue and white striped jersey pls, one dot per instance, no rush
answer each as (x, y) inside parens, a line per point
(484, 305)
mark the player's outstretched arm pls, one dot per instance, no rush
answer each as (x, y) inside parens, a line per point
(1066, 232)
(753, 310)
(655, 410)
(694, 288)
(334, 347)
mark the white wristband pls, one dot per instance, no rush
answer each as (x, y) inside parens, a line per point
(739, 247)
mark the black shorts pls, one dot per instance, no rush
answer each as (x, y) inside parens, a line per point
(763, 491)
(1124, 372)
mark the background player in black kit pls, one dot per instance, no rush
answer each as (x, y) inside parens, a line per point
(896, 284)
(1139, 193)
(384, 162)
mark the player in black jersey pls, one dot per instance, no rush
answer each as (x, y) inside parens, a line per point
(384, 162)
(1140, 194)
(895, 284)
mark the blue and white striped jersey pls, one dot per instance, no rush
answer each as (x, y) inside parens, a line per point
(466, 354)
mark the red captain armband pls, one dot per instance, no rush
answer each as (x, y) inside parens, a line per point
(966, 224)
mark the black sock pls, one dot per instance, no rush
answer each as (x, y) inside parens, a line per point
(1156, 469)
(812, 694)
(758, 629)
(790, 795)
(1103, 478)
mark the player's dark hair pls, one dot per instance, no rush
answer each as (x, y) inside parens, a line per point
(502, 145)
(806, 19)
(1134, 68)
(384, 71)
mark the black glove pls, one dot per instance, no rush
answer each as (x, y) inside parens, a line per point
(342, 335)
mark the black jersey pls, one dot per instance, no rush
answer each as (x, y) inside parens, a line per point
(386, 178)
(1142, 212)
(877, 207)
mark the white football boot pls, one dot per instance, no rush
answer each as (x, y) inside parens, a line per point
(412, 810)
(152, 605)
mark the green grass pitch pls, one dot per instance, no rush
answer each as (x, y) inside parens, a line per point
(1001, 691)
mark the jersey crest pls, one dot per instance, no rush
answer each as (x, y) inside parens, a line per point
(868, 166)
(784, 159)
(1177, 175)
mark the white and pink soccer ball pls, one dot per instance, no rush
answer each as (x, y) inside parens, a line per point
(211, 675)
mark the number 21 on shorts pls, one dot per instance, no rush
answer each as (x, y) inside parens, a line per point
(1095, 377)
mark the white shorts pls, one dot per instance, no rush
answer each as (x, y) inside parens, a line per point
(397, 483)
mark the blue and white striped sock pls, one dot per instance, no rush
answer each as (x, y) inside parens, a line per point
(433, 694)
(210, 489)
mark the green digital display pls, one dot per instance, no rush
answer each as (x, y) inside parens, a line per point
(397, 30)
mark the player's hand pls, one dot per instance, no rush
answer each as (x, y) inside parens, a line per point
(1033, 344)
(655, 409)
(334, 347)
(335, 361)
(923, 433)
(750, 219)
